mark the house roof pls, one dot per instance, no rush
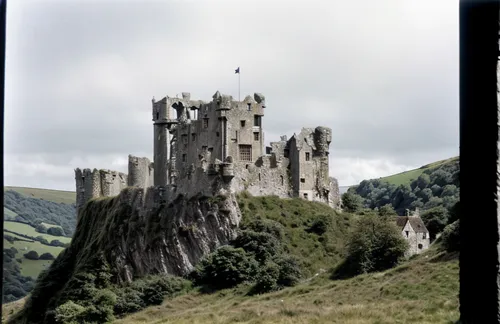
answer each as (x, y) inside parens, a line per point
(416, 223)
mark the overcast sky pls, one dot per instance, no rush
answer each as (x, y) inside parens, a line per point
(81, 75)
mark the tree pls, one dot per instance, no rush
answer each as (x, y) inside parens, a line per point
(352, 202)
(375, 245)
(423, 181)
(387, 211)
(435, 219)
(226, 267)
(31, 255)
(55, 231)
(46, 256)
(451, 237)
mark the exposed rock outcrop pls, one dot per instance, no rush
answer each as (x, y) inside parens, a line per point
(139, 232)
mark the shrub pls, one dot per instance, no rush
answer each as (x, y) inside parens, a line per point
(375, 245)
(266, 226)
(46, 256)
(352, 202)
(289, 271)
(267, 280)
(69, 313)
(31, 255)
(226, 267)
(55, 231)
(451, 237)
(435, 219)
(320, 225)
(262, 245)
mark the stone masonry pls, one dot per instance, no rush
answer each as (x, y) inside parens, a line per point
(202, 147)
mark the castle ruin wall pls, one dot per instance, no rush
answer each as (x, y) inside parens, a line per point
(140, 172)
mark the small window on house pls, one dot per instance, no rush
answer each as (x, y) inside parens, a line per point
(242, 123)
(282, 180)
(205, 122)
(308, 157)
(256, 120)
(157, 115)
(424, 236)
(259, 176)
(407, 233)
(306, 196)
(420, 246)
(255, 136)
(249, 106)
(184, 157)
(193, 137)
(303, 180)
(217, 133)
(286, 152)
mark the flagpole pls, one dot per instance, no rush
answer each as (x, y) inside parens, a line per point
(239, 87)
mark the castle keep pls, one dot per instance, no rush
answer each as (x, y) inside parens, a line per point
(203, 148)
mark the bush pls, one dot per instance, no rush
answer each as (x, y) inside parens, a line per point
(31, 255)
(69, 313)
(262, 245)
(375, 245)
(260, 225)
(435, 219)
(451, 237)
(226, 267)
(46, 256)
(55, 231)
(320, 225)
(352, 202)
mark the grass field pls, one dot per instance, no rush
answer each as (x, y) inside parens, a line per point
(29, 230)
(8, 213)
(58, 196)
(408, 176)
(32, 268)
(423, 291)
(50, 225)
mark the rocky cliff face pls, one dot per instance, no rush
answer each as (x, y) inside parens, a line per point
(138, 232)
(142, 234)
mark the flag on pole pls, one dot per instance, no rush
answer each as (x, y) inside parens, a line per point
(237, 71)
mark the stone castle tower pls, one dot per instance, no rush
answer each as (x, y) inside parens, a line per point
(200, 146)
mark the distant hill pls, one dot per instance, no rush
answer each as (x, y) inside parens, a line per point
(432, 185)
(57, 196)
(407, 177)
(36, 220)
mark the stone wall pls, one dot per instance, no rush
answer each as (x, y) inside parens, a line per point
(140, 172)
(265, 177)
(97, 183)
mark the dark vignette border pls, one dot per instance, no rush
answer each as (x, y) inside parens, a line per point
(479, 226)
(3, 26)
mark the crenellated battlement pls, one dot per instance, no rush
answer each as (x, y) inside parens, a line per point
(218, 146)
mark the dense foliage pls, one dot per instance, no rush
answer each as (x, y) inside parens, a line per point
(256, 256)
(435, 187)
(15, 285)
(374, 245)
(37, 211)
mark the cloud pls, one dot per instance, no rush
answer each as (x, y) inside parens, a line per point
(80, 78)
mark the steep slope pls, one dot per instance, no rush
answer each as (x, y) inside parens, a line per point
(135, 234)
(424, 290)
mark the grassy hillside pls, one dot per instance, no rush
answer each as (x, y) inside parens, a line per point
(433, 185)
(408, 176)
(425, 290)
(26, 209)
(57, 196)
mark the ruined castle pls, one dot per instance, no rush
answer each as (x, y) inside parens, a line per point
(214, 147)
